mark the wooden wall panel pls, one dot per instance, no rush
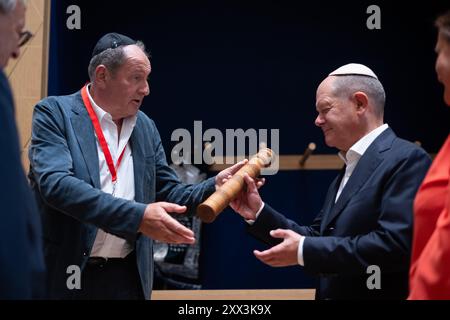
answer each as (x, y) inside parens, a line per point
(28, 74)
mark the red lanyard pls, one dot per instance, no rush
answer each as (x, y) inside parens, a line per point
(101, 138)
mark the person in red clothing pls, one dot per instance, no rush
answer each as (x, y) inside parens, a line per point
(430, 261)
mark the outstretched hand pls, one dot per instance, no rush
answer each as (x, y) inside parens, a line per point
(159, 225)
(283, 254)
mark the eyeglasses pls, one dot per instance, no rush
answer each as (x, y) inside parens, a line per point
(25, 36)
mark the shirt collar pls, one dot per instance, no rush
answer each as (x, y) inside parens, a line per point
(359, 148)
(98, 111)
(102, 114)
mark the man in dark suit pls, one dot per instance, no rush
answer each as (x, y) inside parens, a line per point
(100, 173)
(359, 245)
(21, 258)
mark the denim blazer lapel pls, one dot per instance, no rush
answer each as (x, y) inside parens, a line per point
(84, 132)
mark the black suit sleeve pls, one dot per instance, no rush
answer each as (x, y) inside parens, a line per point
(269, 219)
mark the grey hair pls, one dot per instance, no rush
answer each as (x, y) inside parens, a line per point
(112, 59)
(346, 85)
(6, 6)
(443, 25)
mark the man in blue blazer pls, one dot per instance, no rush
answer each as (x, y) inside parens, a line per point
(21, 258)
(99, 172)
(359, 245)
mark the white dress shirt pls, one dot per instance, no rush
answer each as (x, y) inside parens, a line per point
(107, 245)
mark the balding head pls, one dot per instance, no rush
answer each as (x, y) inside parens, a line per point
(345, 86)
(349, 106)
(354, 77)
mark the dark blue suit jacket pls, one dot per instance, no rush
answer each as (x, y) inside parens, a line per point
(370, 224)
(21, 258)
(66, 180)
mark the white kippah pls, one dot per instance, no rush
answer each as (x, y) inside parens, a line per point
(354, 69)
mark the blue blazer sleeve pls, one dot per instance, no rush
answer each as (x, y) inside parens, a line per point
(53, 171)
(169, 187)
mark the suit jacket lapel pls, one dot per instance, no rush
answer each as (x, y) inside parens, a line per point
(329, 200)
(137, 150)
(364, 169)
(84, 132)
